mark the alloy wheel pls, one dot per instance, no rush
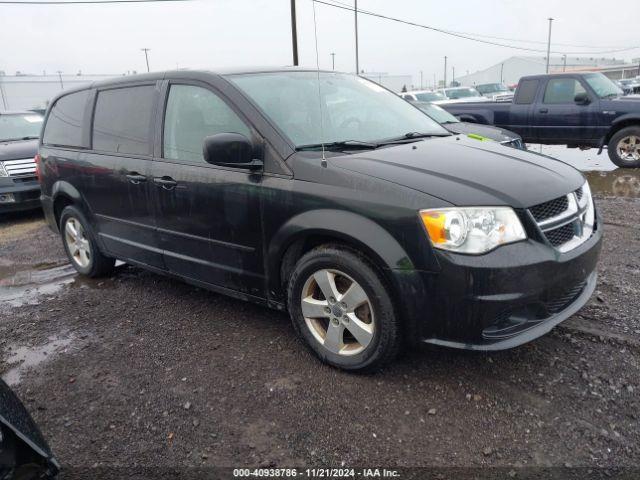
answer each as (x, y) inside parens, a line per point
(77, 242)
(338, 312)
(628, 148)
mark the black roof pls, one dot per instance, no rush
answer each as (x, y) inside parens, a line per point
(185, 73)
(557, 75)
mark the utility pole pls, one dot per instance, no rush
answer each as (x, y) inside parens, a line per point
(4, 100)
(355, 9)
(453, 79)
(421, 87)
(501, 71)
(445, 72)
(59, 72)
(333, 61)
(564, 64)
(294, 33)
(146, 56)
(435, 85)
(549, 44)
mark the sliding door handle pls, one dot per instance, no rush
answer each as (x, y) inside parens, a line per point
(544, 110)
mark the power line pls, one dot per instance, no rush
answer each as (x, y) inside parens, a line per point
(459, 35)
(80, 2)
(519, 40)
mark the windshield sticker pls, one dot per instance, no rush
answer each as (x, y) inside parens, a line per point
(33, 118)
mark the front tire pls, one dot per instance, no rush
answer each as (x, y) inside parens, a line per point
(624, 147)
(341, 308)
(80, 245)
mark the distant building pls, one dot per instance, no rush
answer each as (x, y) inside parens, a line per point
(392, 82)
(627, 70)
(510, 70)
(26, 92)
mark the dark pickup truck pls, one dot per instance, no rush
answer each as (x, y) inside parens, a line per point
(575, 109)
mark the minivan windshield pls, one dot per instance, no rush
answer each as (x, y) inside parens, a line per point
(603, 86)
(20, 126)
(353, 109)
(439, 114)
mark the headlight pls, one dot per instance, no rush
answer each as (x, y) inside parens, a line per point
(472, 230)
(3, 172)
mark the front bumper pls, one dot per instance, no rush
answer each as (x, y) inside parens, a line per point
(25, 194)
(507, 297)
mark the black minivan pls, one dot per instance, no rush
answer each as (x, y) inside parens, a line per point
(325, 195)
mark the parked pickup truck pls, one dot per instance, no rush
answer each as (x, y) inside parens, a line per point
(575, 109)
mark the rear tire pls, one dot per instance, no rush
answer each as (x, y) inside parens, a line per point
(80, 244)
(354, 326)
(624, 147)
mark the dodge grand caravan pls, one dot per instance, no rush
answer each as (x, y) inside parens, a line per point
(325, 195)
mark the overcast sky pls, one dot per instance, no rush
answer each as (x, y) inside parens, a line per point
(223, 33)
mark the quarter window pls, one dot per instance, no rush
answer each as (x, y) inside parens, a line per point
(192, 114)
(562, 90)
(122, 121)
(64, 124)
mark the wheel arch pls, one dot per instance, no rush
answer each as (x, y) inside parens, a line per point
(310, 229)
(629, 120)
(64, 194)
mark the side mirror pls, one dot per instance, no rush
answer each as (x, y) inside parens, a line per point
(582, 99)
(24, 453)
(230, 150)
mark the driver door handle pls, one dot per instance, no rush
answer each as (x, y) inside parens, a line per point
(136, 178)
(167, 183)
(544, 110)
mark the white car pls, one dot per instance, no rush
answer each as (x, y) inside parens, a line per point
(424, 96)
(497, 92)
(461, 94)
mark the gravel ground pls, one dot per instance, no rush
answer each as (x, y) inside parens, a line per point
(141, 370)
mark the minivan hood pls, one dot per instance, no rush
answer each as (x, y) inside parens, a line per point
(18, 149)
(466, 172)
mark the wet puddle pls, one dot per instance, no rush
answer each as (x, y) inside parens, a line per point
(623, 182)
(26, 287)
(21, 286)
(605, 178)
(30, 357)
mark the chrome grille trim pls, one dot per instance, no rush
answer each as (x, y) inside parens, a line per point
(20, 167)
(580, 214)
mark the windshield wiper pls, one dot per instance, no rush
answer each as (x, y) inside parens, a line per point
(343, 145)
(411, 137)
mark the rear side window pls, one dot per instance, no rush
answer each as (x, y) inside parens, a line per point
(64, 124)
(192, 114)
(122, 120)
(526, 92)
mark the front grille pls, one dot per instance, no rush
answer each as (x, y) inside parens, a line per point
(558, 302)
(567, 221)
(549, 209)
(20, 168)
(561, 235)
